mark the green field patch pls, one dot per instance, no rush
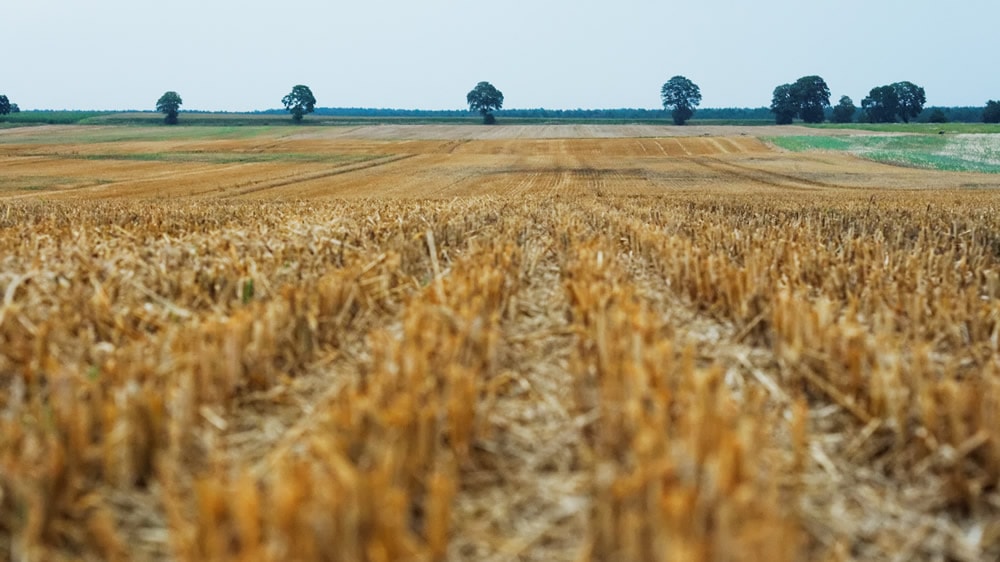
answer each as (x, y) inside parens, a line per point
(916, 128)
(804, 143)
(30, 118)
(957, 153)
(95, 135)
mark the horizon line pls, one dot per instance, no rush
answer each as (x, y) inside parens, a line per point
(453, 110)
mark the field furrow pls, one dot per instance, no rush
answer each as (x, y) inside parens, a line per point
(525, 498)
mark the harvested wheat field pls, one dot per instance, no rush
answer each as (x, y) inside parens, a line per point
(382, 344)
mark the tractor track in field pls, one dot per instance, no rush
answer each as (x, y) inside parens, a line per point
(313, 176)
(761, 176)
(453, 146)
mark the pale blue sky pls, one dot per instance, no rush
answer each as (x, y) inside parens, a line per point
(246, 54)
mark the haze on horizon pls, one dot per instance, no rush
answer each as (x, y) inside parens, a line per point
(560, 54)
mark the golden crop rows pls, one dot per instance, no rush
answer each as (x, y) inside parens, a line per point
(585, 372)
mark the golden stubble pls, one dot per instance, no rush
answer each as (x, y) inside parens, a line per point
(589, 356)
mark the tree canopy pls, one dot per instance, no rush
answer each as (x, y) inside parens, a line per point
(811, 96)
(844, 111)
(901, 100)
(5, 106)
(169, 104)
(992, 112)
(911, 100)
(299, 101)
(783, 105)
(485, 98)
(807, 98)
(681, 96)
(881, 105)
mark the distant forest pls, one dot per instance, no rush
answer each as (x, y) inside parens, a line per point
(952, 114)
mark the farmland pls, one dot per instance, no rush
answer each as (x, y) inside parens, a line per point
(964, 152)
(445, 342)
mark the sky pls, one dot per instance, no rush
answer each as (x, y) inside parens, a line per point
(229, 55)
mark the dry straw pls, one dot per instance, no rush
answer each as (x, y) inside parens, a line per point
(768, 377)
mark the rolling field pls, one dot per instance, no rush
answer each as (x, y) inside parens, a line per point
(490, 343)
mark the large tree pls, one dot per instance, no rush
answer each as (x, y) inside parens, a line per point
(485, 98)
(844, 111)
(991, 114)
(812, 97)
(299, 101)
(169, 104)
(881, 105)
(681, 96)
(902, 100)
(911, 100)
(783, 105)
(4, 105)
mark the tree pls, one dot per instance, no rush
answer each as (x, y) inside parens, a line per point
(14, 108)
(992, 112)
(169, 104)
(881, 105)
(811, 96)
(911, 100)
(903, 100)
(783, 105)
(681, 96)
(844, 111)
(485, 98)
(299, 101)
(4, 105)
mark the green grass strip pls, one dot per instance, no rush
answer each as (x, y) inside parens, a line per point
(958, 153)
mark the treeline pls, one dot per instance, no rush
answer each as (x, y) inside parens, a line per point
(953, 114)
(741, 114)
(624, 113)
(713, 114)
(744, 114)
